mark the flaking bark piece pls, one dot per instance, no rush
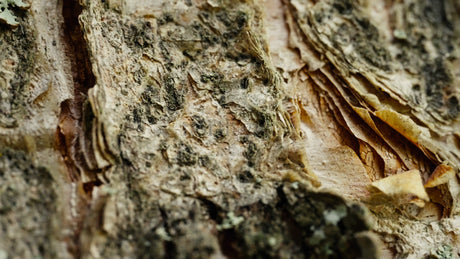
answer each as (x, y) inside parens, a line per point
(441, 175)
(403, 187)
(444, 188)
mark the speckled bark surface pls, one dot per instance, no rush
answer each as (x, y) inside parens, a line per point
(230, 129)
(195, 127)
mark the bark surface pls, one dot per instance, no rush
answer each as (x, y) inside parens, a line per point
(230, 129)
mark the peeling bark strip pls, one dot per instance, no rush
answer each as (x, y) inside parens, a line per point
(239, 129)
(388, 72)
(76, 115)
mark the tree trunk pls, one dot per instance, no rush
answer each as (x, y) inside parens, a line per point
(229, 129)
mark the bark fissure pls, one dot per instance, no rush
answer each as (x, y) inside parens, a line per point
(75, 114)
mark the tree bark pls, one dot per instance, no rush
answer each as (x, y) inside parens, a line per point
(229, 129)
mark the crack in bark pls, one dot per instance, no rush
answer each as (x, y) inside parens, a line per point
(71, 117)
(72, 121)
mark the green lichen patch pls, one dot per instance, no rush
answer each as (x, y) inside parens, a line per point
(6, 15)
(443, 252)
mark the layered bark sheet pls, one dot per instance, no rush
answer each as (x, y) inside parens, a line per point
(230, 129)
(390, 76)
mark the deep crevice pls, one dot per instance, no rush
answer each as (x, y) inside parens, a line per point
(69, 131)
(71, 117)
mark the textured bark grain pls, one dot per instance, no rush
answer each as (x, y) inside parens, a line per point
(230, 129)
